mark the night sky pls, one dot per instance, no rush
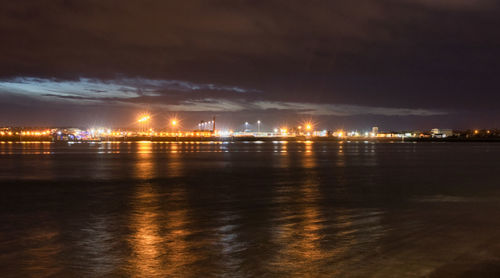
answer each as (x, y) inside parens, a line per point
(396, 64)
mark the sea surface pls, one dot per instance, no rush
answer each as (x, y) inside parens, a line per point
(250, 209)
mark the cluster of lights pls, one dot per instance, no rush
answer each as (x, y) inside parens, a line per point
(307, 128)
(224, 133)
(205, 125)
(100, 131)
(173, 134)
(34, 133)
(342, 133)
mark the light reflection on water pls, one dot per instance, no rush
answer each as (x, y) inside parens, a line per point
(146, 240)
(196, 209)
(159, 234)
(299, 219)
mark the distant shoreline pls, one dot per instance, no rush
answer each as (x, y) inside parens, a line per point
(250, 139)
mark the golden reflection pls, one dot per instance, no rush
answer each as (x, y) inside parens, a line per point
(7, 148)
(308, 145)
(284, 148)
(144, 161)
(146, 240)
(284, 159)
(160, 234)
(309, 241)
(341, 155)
(175, 164)
(177, 252)
(174, 148)
(299, 235)
(309, 159)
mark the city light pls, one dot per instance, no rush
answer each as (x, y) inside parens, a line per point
(174, 131)
(206, 129)
(144, 118)
(308, 126)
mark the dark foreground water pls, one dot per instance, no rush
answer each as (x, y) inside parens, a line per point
(298, 209)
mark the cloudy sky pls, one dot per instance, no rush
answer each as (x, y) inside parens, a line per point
(397, 64)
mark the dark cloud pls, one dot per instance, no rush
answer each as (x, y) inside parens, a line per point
(417, 57)
(456, 4)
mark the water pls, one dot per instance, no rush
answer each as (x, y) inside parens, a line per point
(201, 209)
